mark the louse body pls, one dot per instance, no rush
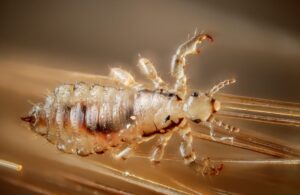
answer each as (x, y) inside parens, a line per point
(85, 119)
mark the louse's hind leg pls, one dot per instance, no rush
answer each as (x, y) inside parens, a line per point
(205, 166)
(220, 86)
(179, 61)
(158, 152)
(147, 68)
(123, 77)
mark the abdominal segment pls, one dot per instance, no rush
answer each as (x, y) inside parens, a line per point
(83, 119)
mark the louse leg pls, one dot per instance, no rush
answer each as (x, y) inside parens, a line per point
(158, 152)
(186, 147)
(205, 166)
(147, 68)
(220, 86)
(125, 153)
(212, 133)
(123, 77)
(130, 148)
(179, 61)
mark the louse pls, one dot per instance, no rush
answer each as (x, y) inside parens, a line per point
(84, 119)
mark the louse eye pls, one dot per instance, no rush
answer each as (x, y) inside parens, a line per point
(197, 121)
(195, 94)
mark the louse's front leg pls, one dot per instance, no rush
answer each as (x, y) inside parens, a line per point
(159, 149)
(179, 61)
(147, 68)
(205, 166)
(123, 77)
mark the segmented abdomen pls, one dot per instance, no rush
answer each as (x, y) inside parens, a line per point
(84, 119)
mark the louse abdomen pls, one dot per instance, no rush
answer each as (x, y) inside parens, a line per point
(83, 119)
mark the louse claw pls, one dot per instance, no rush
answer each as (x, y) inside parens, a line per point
(207, 167)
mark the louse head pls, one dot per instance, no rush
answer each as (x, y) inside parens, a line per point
(200, 106)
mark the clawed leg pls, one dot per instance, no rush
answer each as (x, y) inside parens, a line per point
(186, 147)
(220, 86)
(205, 166)
(179, 61)
(148, 69)
(159, 149)
(123, 77)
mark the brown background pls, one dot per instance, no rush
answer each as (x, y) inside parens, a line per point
(256, 42)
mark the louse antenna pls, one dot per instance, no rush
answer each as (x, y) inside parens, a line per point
(220, 86)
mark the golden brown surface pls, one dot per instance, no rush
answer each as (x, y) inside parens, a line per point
(47, 44)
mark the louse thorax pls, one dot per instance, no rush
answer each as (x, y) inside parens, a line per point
(155, 111)
(198, 107)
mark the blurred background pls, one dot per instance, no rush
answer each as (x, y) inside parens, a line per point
(47, 43)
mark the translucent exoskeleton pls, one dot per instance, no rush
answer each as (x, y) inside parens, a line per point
(86, 119)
